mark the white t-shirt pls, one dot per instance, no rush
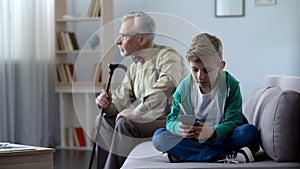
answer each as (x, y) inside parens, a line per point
(205, 106)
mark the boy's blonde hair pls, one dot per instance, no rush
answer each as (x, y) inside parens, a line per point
(204, 46)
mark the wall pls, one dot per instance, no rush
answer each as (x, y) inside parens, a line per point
(265, 41)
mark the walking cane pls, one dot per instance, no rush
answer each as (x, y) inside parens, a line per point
(112, 68)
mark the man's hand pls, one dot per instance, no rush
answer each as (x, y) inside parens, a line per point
(128, 113)
(104, 99)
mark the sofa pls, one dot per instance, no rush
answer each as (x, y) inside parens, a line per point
(274, 108)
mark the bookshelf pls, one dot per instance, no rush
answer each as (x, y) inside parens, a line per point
(77, 78)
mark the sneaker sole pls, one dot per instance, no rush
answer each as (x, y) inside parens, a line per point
(166, 158)
(170, 159)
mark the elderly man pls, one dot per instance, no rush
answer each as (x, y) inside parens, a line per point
(151, 80)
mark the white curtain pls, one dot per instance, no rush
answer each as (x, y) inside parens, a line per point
(27, 98)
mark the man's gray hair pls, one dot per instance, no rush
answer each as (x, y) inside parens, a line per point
(144, 23)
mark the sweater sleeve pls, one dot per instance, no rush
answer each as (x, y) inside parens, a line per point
(172, 118)
(233, 116)
(123, 95)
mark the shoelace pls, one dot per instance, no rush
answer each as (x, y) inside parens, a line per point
(230, 158)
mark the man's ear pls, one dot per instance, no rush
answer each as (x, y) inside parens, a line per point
(143, 39)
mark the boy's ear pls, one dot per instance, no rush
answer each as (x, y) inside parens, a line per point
(222, 64)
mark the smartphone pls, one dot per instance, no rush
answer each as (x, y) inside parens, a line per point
(189, 120)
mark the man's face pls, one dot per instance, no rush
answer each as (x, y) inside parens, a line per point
(205, 74)
(127, 40)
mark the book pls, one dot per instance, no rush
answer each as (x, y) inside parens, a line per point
(65, 73)
(4, 146)
(80, 136)
(75, 138)
(91, 8)
(62, 73)
(71, 67)
(59, 76)
(74, 40)
(60, 44)
(67, 137)
(68, 72)
(98, 9)
(69, 42)
(94, 9)
(64, 39)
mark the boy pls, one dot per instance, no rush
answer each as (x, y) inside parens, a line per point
(212, 95)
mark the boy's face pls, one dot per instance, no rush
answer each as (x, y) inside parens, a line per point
(205, 73)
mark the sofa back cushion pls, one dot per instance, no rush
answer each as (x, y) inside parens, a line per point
(276, 113)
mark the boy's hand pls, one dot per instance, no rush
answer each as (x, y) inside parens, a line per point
(201, 132)
(186, 131)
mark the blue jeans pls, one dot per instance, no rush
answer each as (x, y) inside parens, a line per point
(189, 149)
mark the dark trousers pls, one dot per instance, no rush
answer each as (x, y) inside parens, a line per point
(189, 149)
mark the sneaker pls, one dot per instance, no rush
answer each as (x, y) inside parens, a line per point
(171, 159)
(244, 155)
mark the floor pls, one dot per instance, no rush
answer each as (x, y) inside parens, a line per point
(72, 159)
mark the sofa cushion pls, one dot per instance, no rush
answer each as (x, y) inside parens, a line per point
(276, 113)
(144, 156)
(250, 104)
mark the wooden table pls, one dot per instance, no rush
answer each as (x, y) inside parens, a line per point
(37, 158)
